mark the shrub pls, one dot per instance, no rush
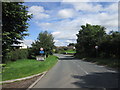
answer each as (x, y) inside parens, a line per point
(17, 54)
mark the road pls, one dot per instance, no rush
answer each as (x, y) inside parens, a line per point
(75, 73)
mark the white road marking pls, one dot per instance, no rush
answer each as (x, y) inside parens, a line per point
(95, 66)
(83, 69)
(112, 71)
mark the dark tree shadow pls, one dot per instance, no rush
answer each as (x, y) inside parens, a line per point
(97, 80)
(67, 58)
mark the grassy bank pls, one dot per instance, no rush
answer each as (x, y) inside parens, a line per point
(114, 63)
(27, 67)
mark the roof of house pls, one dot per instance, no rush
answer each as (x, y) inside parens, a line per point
(22, 45)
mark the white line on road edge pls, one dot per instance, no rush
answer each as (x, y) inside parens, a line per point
(31, 86)
(112, 71)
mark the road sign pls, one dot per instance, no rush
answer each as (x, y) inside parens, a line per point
(41, 49)
(41, 52)
(96, 47)
(40, 58)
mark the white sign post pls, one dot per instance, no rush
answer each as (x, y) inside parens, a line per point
(41, 57)
(41, 49)
(96, 47)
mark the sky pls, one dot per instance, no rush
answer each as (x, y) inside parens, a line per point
(64, 19)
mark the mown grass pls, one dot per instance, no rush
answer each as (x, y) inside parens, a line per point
(110, 62)
(27, 67)
(70, 51)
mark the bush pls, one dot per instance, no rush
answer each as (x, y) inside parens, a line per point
(17, 54)
(61, 51)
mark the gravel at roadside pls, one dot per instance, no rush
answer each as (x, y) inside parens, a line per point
(20, 84)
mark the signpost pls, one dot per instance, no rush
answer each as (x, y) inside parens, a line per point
(41, 52)
(96, 47)
(41, 49)
(41, 57)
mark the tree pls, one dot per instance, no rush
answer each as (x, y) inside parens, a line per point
(14, 21)
(71, 44)
(44, 40)
(88, 37)
(110, 45)
(115, 44)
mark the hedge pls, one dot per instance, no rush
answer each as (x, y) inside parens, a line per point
(17, 54)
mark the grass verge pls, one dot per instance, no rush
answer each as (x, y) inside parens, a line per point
(70, 51)
(27, 67)
(114, 63)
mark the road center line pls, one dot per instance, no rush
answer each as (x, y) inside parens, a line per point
(84, 71)
(81, 68)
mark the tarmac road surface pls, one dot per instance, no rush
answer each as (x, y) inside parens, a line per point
(75, 73)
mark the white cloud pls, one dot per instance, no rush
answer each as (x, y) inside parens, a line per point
(70, 41)
(36, 9)
(41, 16)
(109, 21)
(55, 33)
(87, 7)
(38, 12)
(59, 43)
(28, 42)
(112, 8)
(106, 19)
(66, 13)
(66, 29)
(90, 0)
(63, 30)
(44, 26)
(71, 0)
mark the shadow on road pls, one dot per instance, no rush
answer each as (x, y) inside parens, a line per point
(67, 57)
(97, 80)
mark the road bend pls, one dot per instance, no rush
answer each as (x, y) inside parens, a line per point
(75, 73)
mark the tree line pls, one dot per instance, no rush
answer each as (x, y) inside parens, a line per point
(14, 29)
(14, 25)
(90, 36)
